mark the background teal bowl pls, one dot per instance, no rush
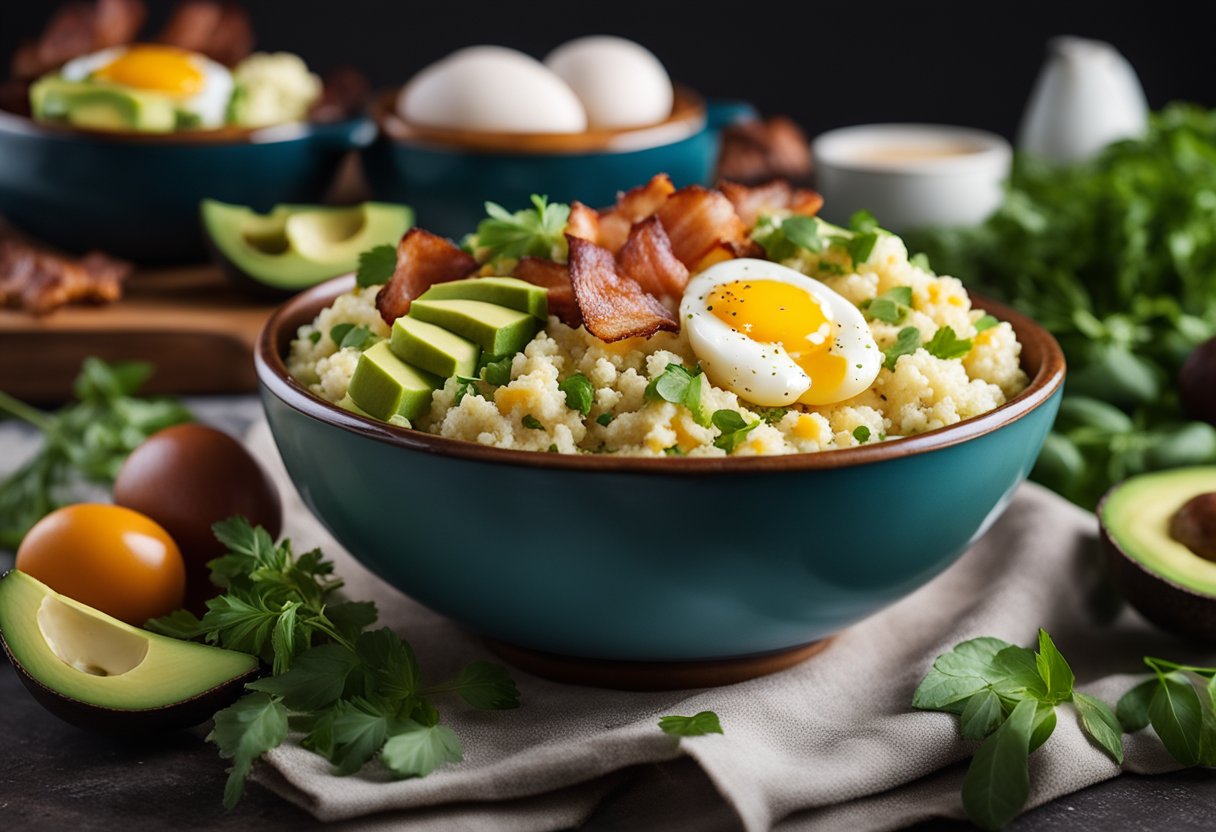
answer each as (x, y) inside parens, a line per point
(652, 560)
(448, 186)
(137, 197)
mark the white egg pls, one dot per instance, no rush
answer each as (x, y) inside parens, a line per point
(621, 83)
(195, 83)
(491, 88)
(774, 336)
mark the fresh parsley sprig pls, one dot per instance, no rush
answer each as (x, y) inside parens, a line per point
(891, 307)
(88, 440)
(376, 266)
(355, 693)
(732, 429)
(538, 231)
(1007, 696)
(679, 385)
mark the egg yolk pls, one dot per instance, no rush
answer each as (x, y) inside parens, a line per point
(163, 69)
(110, 558)
(773, 312)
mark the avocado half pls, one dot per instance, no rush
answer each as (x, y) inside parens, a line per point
(100, 673)
(297, 246)
(1166, 581)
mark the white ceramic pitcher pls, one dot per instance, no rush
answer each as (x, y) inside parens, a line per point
(1086, 96)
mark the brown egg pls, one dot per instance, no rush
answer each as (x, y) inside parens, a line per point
(188, 477)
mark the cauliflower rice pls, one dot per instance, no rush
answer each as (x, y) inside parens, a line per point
(921, 393)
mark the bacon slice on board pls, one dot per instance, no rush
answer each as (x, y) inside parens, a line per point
(697, 220)
(753, 202)
(40, 281)
(423, 259)
(613, 306)
(647, 258)
(221, 31)
(556, 278)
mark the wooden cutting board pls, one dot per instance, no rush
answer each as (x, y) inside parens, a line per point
(191, 323)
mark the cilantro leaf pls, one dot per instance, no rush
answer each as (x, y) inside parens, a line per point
(997, 782)
(697, 725)
(497, 371)
(350, 618)
(803, 232)
(580, 393)
(244, 731)
(782, 238)
(1100, 725)
(416, 750)
(465, 386)
(181, 624)
(348, 335)
(484, 685)
(678, 385)
(283, 642)
(531, 422)
(376, 266)
(946, 344)
(906, 343)
(389, 662)
(984, 322)
(359, 730)
(733, 429)
(317, 678)
(237, 624)
(538, 231)
(891, 307)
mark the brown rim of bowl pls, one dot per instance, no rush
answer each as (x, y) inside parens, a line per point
(687, 118)
(1041, 357)
(17, 124)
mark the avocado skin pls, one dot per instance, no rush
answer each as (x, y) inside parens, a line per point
(1167, 604)
(173, 717)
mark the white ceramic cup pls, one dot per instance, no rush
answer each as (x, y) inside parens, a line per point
(911, 175)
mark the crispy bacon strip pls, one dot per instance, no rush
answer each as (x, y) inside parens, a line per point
(40, 281)
(584, 222)
(647, 258)
(221, 31)
(632, 207)
(118, 22)
(423, 259)
(754, 151)
(77, 29)
(613, 306)
(753, 202)
(697, 220)
(556, 278)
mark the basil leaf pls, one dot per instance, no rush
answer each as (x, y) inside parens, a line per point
(579, 392)
(1053, 669)
(1177, 717)
(997, 782)
(1132, 708)
(981, 716)
(376, 266)
(1100, 725)
(697, 725)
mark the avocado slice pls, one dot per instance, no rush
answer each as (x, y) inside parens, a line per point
(497, 329)
(384, 386)
(297, 246)
(1166, 579)
(101, 673)
(94, 105)
(433, 348)
(502, 291)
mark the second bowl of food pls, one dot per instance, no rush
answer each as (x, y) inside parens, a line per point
(722, 429)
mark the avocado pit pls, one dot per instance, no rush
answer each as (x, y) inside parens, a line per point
(1194, 525)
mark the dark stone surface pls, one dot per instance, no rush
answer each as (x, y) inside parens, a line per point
(56, 777)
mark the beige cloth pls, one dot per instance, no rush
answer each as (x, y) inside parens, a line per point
(830, 744)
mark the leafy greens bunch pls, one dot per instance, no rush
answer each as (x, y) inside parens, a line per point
(1117, 258)
(1179, 701)
(354, 692)
(1007, 696)
(85, 441)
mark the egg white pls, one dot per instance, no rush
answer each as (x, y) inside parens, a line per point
(210, 104)
(621, 83)
(765, 374)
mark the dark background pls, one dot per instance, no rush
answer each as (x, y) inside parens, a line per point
(827, 65)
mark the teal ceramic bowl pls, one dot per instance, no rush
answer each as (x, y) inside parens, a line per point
(136, 196)
(447, 175)
(652, 560)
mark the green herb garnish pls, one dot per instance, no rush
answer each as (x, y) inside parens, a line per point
(464, 387)
(946, 344)
(87, 440)
(315, 336)
(906, 343)
(538, 231)
(1179, 702)
(376, 266)
(985, 322)
(697, 725)
(580, 393)
(891, 307)
(530, 421)
(733, 429)
(348, 335)
(1006, 696)
(772, 415)
(862, 434)
(921, 261)
(673, 450)
(605, 418)
(782, 238)
(497, 371)
(676, 384)
(353, 692)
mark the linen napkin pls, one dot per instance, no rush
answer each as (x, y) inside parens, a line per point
(830, 744)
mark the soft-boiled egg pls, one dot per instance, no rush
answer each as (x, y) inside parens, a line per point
(491, 88)
(774, 336)
(621, 83)
(196, 84)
